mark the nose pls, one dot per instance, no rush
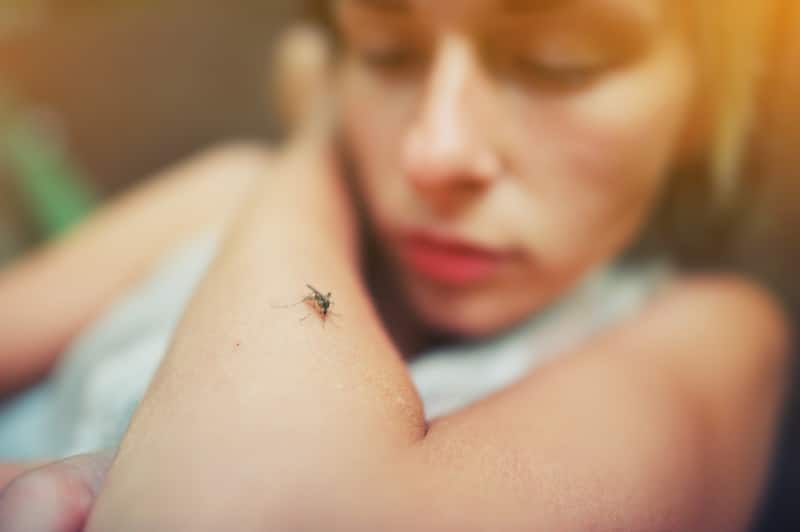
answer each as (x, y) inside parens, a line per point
(449, 155)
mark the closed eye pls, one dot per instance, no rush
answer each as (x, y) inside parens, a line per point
(568, 74)
(391, 59)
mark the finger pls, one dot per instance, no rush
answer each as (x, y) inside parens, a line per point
(11, 470)
(54, 498)
(305, 83)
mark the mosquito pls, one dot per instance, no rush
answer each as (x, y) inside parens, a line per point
(322, 303)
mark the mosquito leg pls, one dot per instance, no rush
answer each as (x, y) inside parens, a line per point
(288, 306)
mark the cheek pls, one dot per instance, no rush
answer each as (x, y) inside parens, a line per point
(625, 134)
(600, 158)
(375, 119)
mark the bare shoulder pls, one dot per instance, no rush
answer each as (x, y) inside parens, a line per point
(731, 302)
(734, 294)
(724, 319)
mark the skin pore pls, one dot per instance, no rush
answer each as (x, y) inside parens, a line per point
(516, 127)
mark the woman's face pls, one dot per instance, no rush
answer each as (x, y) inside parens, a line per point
(506, 147)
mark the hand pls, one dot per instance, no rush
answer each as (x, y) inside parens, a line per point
(56, 497)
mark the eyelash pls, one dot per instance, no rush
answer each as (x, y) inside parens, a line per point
(563, 74)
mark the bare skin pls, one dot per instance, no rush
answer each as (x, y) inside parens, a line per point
(197, 195)
(169, 208)
(382, 467)
(55, 497)
(139, 228)
(9, 471)
(635, 388)
(612, 404)
(662, 423)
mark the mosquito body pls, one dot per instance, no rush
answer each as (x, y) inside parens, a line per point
(321, 302)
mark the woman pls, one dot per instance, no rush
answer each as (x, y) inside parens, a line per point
(504, 154)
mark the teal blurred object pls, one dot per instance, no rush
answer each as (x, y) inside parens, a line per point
(53, 191)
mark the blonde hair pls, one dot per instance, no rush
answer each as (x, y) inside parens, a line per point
(732, 40)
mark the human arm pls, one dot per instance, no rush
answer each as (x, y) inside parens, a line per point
(257, 421)
(46, 298)
(664, 423)
(679, 476)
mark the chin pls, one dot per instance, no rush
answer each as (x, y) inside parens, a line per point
(471, 317)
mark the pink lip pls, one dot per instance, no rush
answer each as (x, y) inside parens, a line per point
(448, 260)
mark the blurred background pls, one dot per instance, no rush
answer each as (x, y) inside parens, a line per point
(95, 95)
